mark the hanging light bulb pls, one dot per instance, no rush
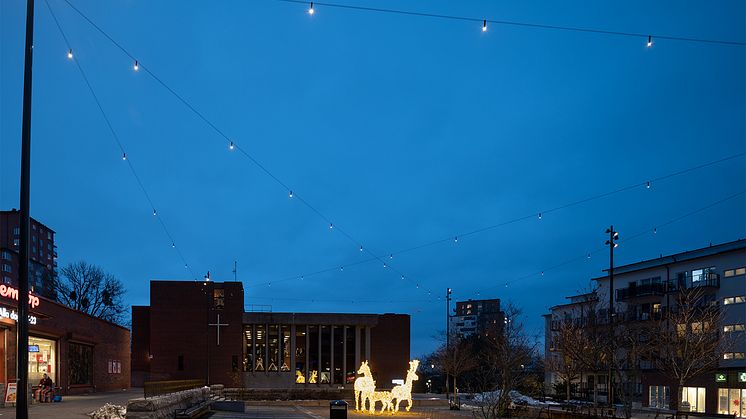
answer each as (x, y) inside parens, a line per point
(341, 268)
(136, 66)
(540, 216)
(647, 185)
(655, 230)
(455, 239)
(173, 244)
(650, 41)
(484, 25)
(616, 245)
(70, 53)
(231, 146)
(384, 265)
(361, 248)
(542, 273)
(331, 226)
(301, 277)
(153, 212)
(290, 194)
(402, 277)
(589, 255)
(124, 156)
(310, 9)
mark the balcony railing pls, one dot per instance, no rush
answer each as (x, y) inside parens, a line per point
(710, 280)
(640, 291)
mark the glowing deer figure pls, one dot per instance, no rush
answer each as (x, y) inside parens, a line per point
(404, 391)
(364, 387)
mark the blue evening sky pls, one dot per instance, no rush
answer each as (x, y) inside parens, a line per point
(401, 129)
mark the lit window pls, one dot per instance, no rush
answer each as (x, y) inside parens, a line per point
(734, 272)
(734, 300)
(695, 397)
(733, 355)
(15, 242)
(728, 328)
(7, 255)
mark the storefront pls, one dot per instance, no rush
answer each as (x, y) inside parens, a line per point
(74, 349)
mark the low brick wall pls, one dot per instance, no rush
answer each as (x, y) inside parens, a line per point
(287, 394)
(161, 407)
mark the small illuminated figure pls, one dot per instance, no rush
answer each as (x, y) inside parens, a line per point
(300, 378)
(385, 397)
(364, 387)
(259, 364)
(404, 391)
(312, 378)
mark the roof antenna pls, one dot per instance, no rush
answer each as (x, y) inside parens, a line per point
(235, 264)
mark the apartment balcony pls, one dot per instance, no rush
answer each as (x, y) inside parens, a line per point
(710, 280)
(637, 291)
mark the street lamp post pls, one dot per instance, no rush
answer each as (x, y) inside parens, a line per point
(448, 335)
(24, 221)
(612, 243)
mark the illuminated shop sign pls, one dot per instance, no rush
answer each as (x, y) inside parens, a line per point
(721, 378)
(11, 314)
(12, 293)
(742, 377)
(33, 348)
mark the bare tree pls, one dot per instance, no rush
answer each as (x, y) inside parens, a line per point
(505, 355)
(567, 361)
(687, 337)
(455, 359)
(90, 289)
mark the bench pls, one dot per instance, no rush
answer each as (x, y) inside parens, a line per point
(196, 411)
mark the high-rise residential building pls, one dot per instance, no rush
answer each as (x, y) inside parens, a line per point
(643, 293)
(477, 316)
(42, 254)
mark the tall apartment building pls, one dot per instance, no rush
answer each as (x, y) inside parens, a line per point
(42, 254)
(477, 316)
(646, 289)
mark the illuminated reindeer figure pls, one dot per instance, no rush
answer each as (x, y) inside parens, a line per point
(364, 387)
(404, 391)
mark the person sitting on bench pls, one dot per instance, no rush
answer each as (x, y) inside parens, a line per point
(46, 388)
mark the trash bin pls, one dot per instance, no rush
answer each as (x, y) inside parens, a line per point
(337, 409)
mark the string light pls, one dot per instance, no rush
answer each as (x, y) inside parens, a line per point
(361, 248)
(124, 156)
(173, 245)
(484, 25)
(136, 67)
(331, 226)
(647, 185)
(231, 146)
(341, 268)
(310, 9)
(153, 213)
(655, 230)
(650, 41)
(70, 53)
(540, 216)
(290, 194)
(391, 256)
(384, 265)
(455, 239)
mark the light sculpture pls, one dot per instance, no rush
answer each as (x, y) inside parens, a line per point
(364, 387)
(312, 378)
(365, 390)
(299, 377)
(404, 391)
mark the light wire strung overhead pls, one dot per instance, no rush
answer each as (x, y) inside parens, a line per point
(118, 141)
(454, 237)
(233, 145)
(648, 37)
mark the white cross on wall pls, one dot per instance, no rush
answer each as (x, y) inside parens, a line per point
(218, 325)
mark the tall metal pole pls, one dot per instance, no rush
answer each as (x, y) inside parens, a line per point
(448, 336)
(23, 262)
(613, 237)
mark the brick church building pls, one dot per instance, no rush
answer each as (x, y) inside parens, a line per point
(199, 330)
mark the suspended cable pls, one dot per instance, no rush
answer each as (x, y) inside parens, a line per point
(522, 24)
(233, 143)
(116, 138)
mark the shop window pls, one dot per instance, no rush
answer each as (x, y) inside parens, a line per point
(285, 348)
(300, 354)
(732, 401)
(660, 397)
(218, 298)
(42, 359)
(695, 396)
(80, 362)
(115, 366)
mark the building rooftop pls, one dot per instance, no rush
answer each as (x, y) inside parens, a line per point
(678, 257)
